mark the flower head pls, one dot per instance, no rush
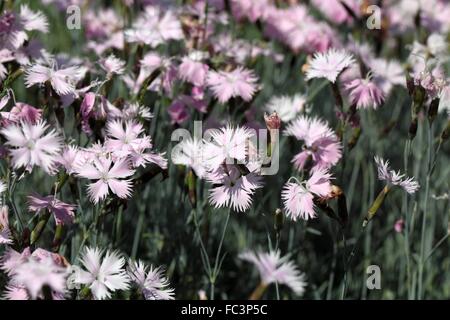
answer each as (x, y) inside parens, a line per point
(104, 273)
(287, 107)
(109, 176)
(152, 282)
(63, 212)
(365, 93)
(238, 83)
(34, 274)
(126, 139)
(193, 71)
(189, 153)
(227, 144)
(276, 269)
(30, 146)
(299, 197)
(233, 188)
(329, 64)
(154, 27)
(385, 173)
(62, 80)
(321, 145)
(113, 65)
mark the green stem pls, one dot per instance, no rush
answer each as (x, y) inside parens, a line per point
(424, 215)
(407, 223)
(217, 262)
(344, 287)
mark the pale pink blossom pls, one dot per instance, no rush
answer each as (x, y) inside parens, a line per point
(298, 196)
(154, 27)
(238, 83)
(109, 176)
(388, 73)
(113, 65)
(104, 273)
(252, 10)
(329, 64)
(33, 20)
(87, 111)
(276, 269)
(15, 292)
(287, 107)
(41, 264)
(30, 146)
(71, 158)
(321, 145)
(297, 29)
(395, 178)
(365, 93)
(226, 145)
(34, 274)
(14, 27)
(62, 212)
(335, 10)
(126, 139)
(23, 112)
(192, 70)
(11, 259)
(62, 80)
(189, 153)
(151, 281)
(232, 188)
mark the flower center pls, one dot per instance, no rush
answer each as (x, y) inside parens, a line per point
(31, 144)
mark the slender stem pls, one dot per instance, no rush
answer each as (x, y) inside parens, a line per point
(205, 258)
(407, 223)
(259, 291)
(277, 244)
(438, 244)
(344, 287)
(13, 204)
(424, 215)
(217, 261)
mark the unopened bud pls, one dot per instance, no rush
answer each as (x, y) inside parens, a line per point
(418, 99)
(279, 220)
(273, 121)
(410, 83)
(413, 128)
(432, 110)
(446, 133)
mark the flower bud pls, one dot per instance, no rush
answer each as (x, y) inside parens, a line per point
(279, 220)
(413, 128)
(446, 133)
(273, 121)
(432, 110)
